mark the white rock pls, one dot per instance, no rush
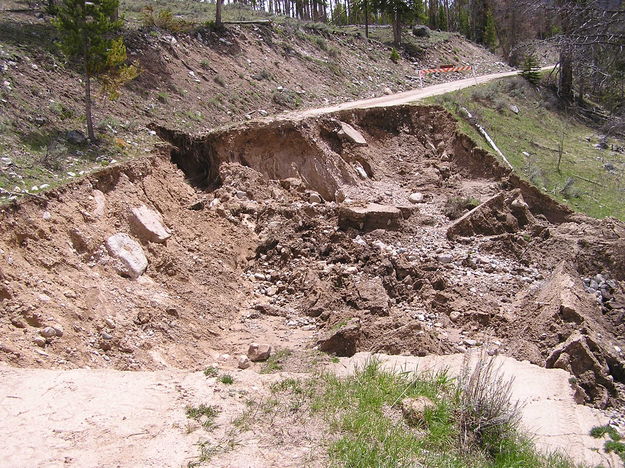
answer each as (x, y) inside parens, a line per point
(148, 224)
(416, 197)
(315, 198)
(132, 260)
(48, 332)
(349, 133)
(244, 362)
(99, 201)
(445, 258)
(39, 341)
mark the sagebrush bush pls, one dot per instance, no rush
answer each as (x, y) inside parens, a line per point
(488, 415)
(163, 19)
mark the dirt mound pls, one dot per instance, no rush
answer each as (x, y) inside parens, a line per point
(300, 236)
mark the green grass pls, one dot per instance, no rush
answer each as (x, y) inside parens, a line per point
(539, 129)
(226, 379)
(614, 443)
(204, 414)
(365, 427)
(211, 371)
(275, 361)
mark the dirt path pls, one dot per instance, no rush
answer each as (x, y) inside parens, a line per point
(407, 96)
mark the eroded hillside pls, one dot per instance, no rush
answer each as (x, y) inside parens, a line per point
(349, 232)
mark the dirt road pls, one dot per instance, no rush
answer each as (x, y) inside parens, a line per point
(408, 96)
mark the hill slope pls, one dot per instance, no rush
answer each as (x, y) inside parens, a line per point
(189, 81)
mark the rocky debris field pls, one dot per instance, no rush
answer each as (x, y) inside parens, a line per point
(368, 230)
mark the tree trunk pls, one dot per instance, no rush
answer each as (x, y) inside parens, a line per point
(367, 19)
(566, 75)
(396, 29)
(90, 132)
(218, 22)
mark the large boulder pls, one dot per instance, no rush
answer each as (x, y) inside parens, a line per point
(131, 260)
(581, 356)
(421, 30)
(371, 295)
(148, 225)
(258, 352)
(351, 135)
(369, 217)
(341, 340)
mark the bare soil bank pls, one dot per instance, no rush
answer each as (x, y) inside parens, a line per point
(299, 234)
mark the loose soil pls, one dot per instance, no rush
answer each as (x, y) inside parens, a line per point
(270, 244)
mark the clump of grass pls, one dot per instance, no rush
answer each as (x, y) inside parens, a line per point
(163, 19)
(226, 379)
(275, 361)
(614, 443)
(457, 206)
(395, 57)
(204, 414)
(163, 97)
(321, 43)
(211, 371)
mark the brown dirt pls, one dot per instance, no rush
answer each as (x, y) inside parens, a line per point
(251, 257)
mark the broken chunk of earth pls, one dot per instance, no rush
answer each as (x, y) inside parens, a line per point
(249, 258)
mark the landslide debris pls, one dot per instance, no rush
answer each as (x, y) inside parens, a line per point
(292, 235)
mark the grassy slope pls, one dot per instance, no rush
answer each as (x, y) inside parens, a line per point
(538, 129)
(41, 98)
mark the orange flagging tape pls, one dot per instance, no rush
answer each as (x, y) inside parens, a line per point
(445, 69)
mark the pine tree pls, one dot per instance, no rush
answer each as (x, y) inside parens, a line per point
(86, 29)
(490, 33)
(443, 24)
(530, 69)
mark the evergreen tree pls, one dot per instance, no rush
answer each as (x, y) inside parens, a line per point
(530, 69)
(490, 33)
(86, 29)
(398, 10)
(419, 12)
(443, 24)
(463, 23)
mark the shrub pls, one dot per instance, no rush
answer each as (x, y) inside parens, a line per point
(569, 190)
(163, 19)
(487, 414)
(530, 69)
(395, 55)
(287, 98)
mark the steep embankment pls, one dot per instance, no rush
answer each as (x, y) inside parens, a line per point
(287, 207)
(188, 81)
